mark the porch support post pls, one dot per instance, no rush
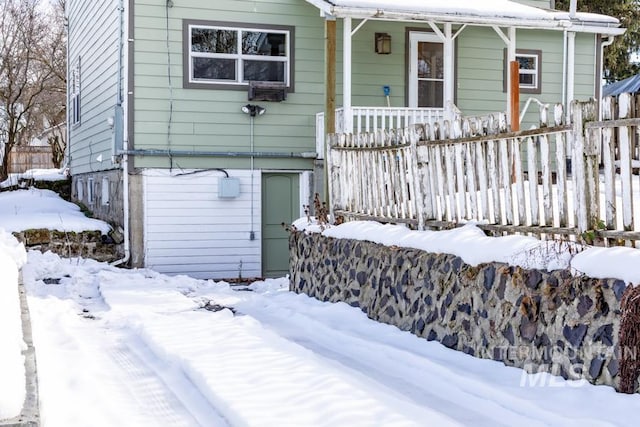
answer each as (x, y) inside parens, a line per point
(571, 67)
(330, 76)
(330, 99)
(449, 74)
(511, 56)
(346, 76)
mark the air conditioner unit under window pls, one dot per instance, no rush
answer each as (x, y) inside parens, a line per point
(267, 91)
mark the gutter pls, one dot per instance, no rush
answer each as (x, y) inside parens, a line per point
(235, 154)
(67, 161)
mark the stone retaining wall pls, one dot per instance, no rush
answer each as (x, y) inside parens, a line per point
(87, 244)
(538, 320)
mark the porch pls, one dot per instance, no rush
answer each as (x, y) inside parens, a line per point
(439, 56)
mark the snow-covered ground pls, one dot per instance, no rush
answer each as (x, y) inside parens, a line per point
(137, 348)
(12, 384)
(36, 174)
(33, 208)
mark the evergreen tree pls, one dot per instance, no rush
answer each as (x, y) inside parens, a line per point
(618, 64)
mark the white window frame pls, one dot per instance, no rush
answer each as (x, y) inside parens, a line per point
(534, 72)
(105, 191)
(416, 37)
(90, 192)
(80, 189)
(239, 57)
(535, 88)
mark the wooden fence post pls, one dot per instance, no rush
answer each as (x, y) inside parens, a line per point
(625, 140)
(333, 184)
(514, 95)
(585, 157)
(420, 179)
(608, 161)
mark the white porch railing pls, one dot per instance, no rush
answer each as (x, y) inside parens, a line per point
(371, 119)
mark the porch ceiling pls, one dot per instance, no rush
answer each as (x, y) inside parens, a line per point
(485, 12)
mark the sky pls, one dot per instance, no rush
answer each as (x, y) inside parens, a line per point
(138, 348)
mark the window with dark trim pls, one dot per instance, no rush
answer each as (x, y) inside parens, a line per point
(74, 95)
(530, 70)
(224, 55)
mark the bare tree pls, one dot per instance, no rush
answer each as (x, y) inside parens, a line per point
(32, 73)
(52, 108)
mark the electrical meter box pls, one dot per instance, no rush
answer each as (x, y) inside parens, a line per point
(228, 188)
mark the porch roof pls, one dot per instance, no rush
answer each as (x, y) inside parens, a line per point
(485, 12)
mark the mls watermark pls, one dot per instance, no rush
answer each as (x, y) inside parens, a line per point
(559, 365)
(551, 375)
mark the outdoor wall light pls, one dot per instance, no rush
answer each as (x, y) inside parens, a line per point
(383, 43)
(253, 110)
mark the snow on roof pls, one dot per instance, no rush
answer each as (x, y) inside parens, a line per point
(487, 8)
(488, 12)
(628, 85)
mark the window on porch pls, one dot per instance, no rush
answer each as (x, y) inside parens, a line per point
(530, 70)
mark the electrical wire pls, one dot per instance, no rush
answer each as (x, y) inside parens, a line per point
(202, 170)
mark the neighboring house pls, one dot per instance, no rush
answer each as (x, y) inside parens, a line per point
(157, 90)
(628, 85)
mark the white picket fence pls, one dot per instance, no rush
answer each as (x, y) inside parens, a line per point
(472, 169)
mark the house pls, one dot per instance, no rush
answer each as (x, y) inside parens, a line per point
(198, 127)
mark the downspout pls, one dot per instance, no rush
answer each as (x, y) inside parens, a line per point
(125, 132)
(571, 60)
(68, 127)
(571, 68)
(603, 43)
(564, 66)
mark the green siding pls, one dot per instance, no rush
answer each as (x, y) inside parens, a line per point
(480, 62)
(371, 71)
(211, 120)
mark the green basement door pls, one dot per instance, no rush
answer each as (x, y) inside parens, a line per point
(280, 203)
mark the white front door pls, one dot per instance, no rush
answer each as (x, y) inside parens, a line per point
(426, 70)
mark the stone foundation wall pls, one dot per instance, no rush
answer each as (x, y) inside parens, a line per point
(88, 244)
(101, 193)
(538, 320)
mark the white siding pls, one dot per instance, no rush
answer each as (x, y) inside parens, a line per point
(93, 37)
(189, 230)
